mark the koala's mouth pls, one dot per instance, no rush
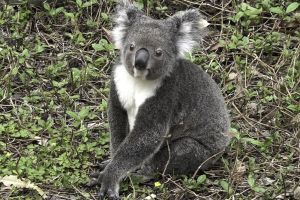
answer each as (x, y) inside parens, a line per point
(142, 74)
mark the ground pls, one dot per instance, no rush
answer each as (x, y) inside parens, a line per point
(55, 66)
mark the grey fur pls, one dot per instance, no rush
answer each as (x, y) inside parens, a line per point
(187, 110)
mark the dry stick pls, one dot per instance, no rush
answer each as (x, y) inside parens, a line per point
(243, 116)
(183, 189)
(60, 197)
(298, 149)
(146, 7)
(195, 173)
(295, 58)
(206, 4)
(18, 119)
(253, 120)
(169, 158)
(259, 60)
(257, 122)
(133, 189)
(221, 10)
(39, 33)
(222, 20)
(79, 192)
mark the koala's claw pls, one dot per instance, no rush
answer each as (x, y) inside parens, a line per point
(104, 163)
(96, 179)
(101, 196)
(109, 187)
(111, 195)
(93, 182)
(95, 174)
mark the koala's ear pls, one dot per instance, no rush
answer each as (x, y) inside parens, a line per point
(125, 16)
(191, 28)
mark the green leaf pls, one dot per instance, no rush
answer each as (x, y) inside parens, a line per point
(72, 114)
(251, 11)
(259, 189)
(238, 16)
(14, 71)
(2, 128)
(201, 179)
(102, 45)
(39, 49)
(89, 3)
(25, 53)
(60, 84)
(103, 105)
(47, 6)
(59, 10)
(24, 133)
(104, 16)
(251, 180)
(253, 141)
(70, 15)
(225, 185)
(138, 4)
(244, 6)
(277, 10)
(83, 113)
(98, 47)
(295, 108)
(101, 60)
(79, 3)
(293, 6)
(80, 37)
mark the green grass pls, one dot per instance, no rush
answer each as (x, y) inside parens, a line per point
(54, 75)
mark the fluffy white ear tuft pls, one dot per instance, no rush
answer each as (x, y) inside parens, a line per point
(191, 30)
(203, 23)
(120, 29)
(125, 16)
(125, 3)
(185, 43)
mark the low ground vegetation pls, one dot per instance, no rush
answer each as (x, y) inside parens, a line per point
(55, 63)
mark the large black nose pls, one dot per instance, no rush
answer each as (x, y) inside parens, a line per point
(141, 59)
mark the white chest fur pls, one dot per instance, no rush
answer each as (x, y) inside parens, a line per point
(133, 91)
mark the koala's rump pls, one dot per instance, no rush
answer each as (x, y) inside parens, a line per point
(201, 111)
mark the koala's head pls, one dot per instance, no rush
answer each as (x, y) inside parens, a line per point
(149, 47)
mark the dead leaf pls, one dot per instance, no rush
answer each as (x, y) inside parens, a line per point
(297, 193)
(232, 76)
(296, 119)
(238, 171)
(13, 180)
(251, 108)
(41, 141)
(268, 181)
(214, 47)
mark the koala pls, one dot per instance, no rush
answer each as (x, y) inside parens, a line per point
(165, 113)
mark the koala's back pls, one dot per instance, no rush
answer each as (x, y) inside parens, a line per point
(200, 110)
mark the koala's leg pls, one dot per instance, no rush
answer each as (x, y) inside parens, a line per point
(183, 156)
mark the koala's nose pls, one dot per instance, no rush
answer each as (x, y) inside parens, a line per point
(141, 59)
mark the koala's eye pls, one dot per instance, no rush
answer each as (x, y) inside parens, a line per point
(158, 52)
(131, 47)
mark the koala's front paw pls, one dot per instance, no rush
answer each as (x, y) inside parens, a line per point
(96, 177)
(109, 187)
